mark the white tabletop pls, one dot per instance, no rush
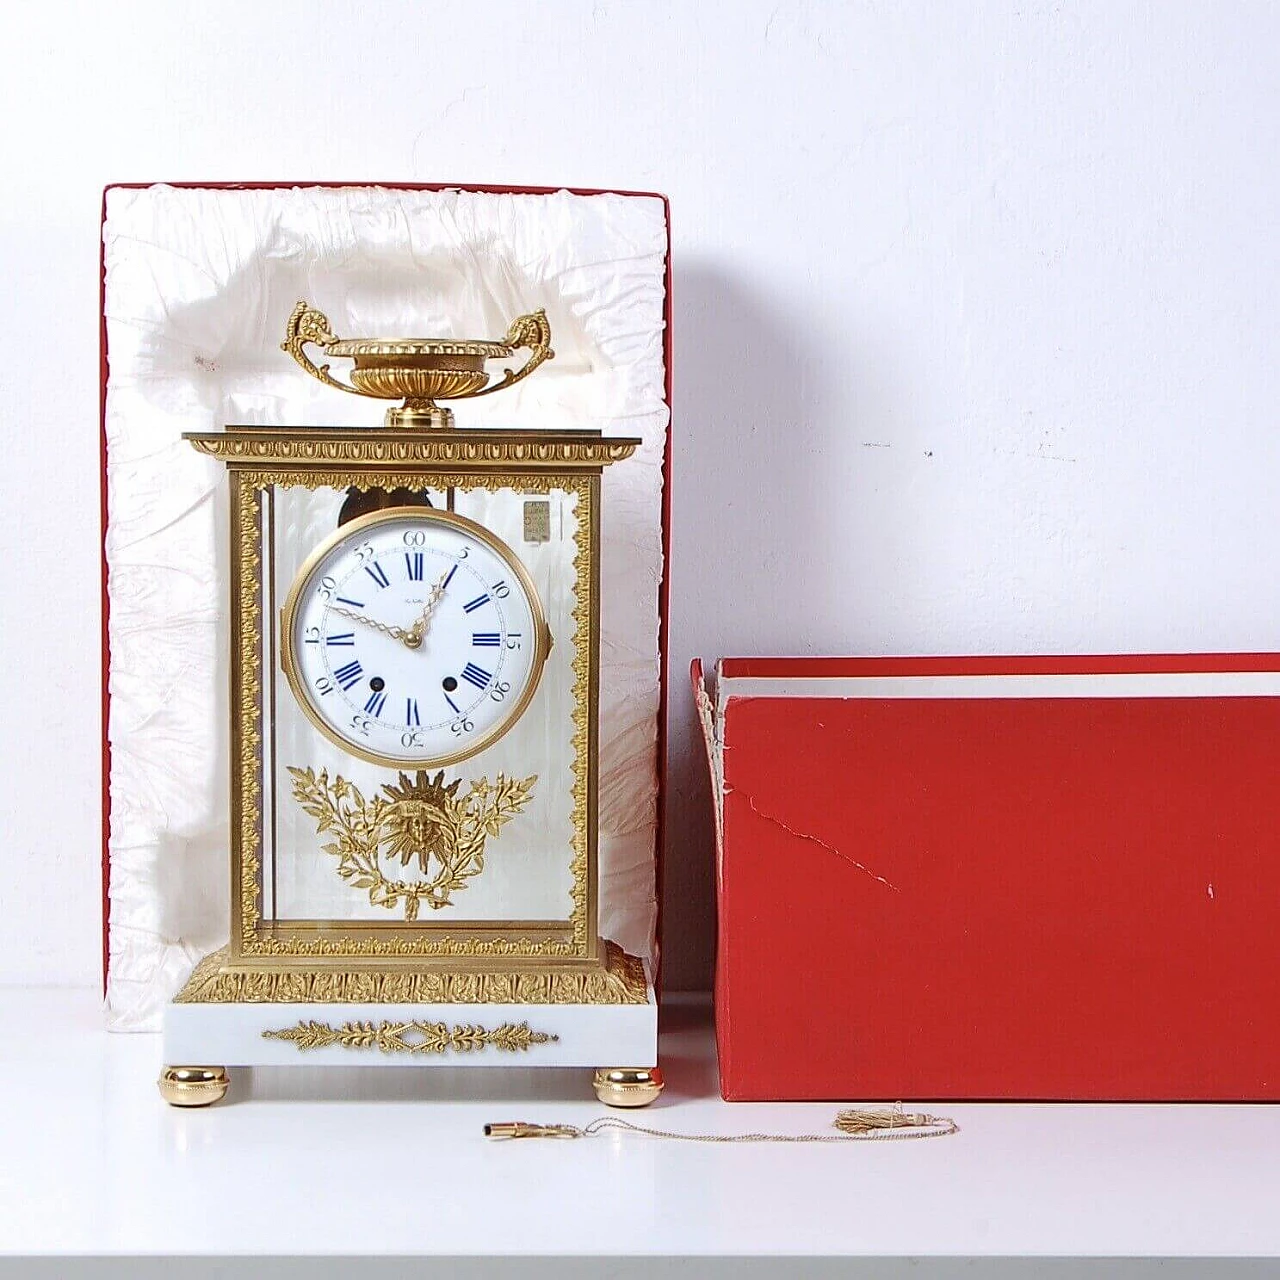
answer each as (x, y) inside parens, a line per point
(394, 1162)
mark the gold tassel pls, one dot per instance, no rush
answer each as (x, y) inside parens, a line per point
(856, 1121)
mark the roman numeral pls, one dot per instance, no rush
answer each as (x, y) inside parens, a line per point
(457, 711)
(348, 675)
(411, 711)
(476, 603)
(355, 604)
(478, 676)
(413, 563)
(448, 578)
(486, 639)
(375, 704)
(341, 637)
(375, 572)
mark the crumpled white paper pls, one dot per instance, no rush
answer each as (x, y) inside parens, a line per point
(199, 284)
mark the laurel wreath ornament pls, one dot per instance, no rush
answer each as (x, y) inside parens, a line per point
(413, 1037)
(422, 820)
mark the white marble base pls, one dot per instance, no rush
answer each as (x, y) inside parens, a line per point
(231, 1035)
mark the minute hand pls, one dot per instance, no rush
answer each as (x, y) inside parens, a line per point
(396, 633)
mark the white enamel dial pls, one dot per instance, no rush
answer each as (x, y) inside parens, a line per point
(413, 637)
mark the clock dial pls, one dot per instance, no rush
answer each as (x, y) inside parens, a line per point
(413, 637)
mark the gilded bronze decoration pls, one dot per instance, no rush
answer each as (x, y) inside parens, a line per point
(449, 459)
(248, 489)
(422, 370)
(423, 820)
(413, 1037)
(220, 978)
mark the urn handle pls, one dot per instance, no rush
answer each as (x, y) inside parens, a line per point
(306, 324)
(532, 332)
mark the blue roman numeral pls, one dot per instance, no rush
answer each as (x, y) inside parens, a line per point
(486, 639)
(341, 637)
(413, 563)
(448, 578)
(348, 675)
(478, 676)
(476, 603)
(355, 604)
(375, 704)
(457, 711)
(375, 572)
(411, 711)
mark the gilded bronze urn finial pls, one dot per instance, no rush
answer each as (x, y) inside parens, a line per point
(421, 370)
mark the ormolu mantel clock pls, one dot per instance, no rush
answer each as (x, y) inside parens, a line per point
(414, 675)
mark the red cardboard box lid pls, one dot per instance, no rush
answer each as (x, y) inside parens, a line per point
(1029, 878)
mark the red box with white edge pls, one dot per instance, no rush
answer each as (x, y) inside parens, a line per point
(1004, 878)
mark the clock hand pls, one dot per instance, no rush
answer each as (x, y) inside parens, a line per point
(396, 633)
(419, 629)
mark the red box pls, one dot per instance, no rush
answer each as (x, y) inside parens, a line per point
(1014, 878)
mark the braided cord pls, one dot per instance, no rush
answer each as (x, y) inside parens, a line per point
(854, 1125)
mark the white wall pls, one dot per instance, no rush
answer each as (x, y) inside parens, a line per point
(975, 308)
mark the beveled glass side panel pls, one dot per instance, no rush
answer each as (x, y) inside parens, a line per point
(355, 845)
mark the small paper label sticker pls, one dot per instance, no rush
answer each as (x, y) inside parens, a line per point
(537, 520)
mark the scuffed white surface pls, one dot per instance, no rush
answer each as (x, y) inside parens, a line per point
(199, 284)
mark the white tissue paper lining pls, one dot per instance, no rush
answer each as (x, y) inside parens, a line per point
(199, 283)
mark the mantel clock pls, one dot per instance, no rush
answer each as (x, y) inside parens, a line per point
(414, 681)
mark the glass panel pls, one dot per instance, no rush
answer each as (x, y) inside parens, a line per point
(412, 635)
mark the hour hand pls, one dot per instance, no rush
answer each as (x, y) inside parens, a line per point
(396, 633)
(419, 628)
